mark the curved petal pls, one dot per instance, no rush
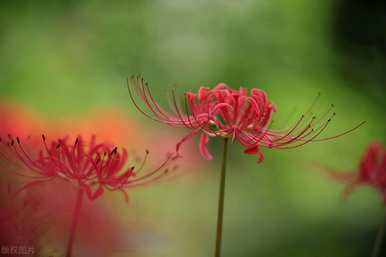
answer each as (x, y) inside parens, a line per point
(255, 150)
(184, 139)
(93, 195)
(204, 140)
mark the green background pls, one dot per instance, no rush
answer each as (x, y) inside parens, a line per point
(63, 58)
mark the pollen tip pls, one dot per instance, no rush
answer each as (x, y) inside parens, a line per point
(329, 120)
(333, 114)
(18, 140)
(147, 151)
(76, 141)
(57, 146)
(43, 137)
(332, 105)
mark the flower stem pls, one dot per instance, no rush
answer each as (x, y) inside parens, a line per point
(220, 211)
(75, 219)
(379, 238)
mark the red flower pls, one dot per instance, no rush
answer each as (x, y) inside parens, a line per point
(93, 167)
(371, 171)
(238, 114)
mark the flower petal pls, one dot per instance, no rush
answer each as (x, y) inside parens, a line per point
(255, 150)
(93, 195)
(204, 140)
(184, 139)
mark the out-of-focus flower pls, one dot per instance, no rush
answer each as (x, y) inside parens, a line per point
(371, 171)
(14, 119)
(228, 113)
(109, 123)
(90, 166)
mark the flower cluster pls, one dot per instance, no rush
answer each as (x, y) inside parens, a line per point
(371, 171)
(243, 115)
(88, 165)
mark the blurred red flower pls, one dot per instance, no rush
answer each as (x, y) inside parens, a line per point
(371, 171)
(85, 165)
(90, 166)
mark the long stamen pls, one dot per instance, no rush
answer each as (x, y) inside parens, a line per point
(149, 100)
(341, 134)
(9, 160)
(154, 102)
(147, 152)
(137, 105)
(145, 176)
(178, 109)
(311, 139)
(291, 130)
(295, 137)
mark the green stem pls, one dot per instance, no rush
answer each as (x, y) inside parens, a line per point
(75, 219)
(379, 238)
(220, 212)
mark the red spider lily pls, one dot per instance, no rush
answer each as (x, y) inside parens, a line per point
(371, 171)
(93, 167)
(241, 115)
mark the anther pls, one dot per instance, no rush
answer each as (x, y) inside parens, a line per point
(114, 151)
(18, 140)
(43, 137)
